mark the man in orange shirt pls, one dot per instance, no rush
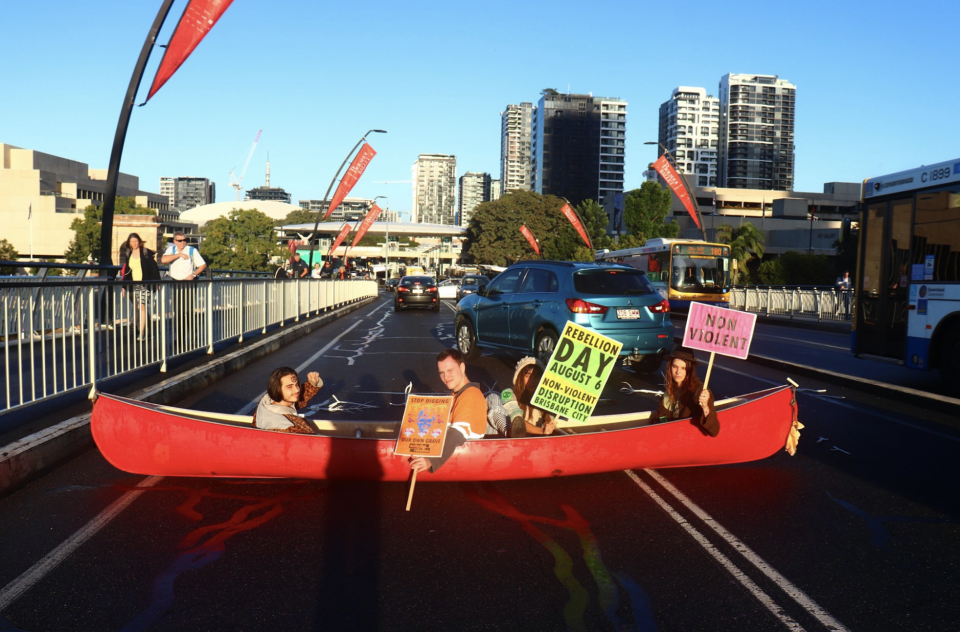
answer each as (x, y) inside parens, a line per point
(468, 416)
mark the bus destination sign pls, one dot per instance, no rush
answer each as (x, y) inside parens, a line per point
(700, 250)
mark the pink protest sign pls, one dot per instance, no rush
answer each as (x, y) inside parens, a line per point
(718, 330)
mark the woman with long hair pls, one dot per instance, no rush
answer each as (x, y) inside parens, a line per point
(685, 396)
(511, 413)
(139, 263)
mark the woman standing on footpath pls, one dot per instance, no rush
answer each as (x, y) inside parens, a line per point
(138, 263)
(685, 396)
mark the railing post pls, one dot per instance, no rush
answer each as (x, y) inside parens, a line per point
(769, 298)
(92, 340)
(266, 300)
(163, 326)
(296, 289)
(242, 309)
(210, 316)
(818, 304)
(283, 302)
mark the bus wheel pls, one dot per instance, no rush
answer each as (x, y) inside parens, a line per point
(950, 361)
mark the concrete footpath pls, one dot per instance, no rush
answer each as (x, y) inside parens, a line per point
(29, 457)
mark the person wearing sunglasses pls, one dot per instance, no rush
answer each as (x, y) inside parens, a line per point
(186, 264)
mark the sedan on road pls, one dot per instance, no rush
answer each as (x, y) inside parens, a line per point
(416, 291)
(527, 306)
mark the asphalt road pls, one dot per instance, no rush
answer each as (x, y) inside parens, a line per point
(858, 531)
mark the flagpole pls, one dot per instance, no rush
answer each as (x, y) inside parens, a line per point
(686, 185)
(326, 196)
(113, 172)
(30, 217)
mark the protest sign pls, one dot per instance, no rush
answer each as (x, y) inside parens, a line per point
(576, 373)
(719, 330)
(424, 426)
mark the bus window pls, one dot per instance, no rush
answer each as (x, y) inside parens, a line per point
(698, 274)
(657, 266)
(937, 234)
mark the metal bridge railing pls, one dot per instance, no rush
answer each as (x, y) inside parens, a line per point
(820, 303)
(58, 337)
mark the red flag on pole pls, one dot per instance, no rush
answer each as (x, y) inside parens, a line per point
(672, 178)
(339, 240)
(359, 164)
(197, 20)
(530, 238)
(366, 224)
(571, 216)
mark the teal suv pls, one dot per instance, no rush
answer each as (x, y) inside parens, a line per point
(527, 306)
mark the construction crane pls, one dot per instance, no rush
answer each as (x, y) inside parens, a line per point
(236, 182)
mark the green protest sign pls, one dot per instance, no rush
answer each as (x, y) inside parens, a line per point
(576, 373)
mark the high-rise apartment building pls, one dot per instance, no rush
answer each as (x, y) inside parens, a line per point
(474, 190)
(187, 192)
(516, 138)
(350, 210)
(578, 146)
(756, 132)
(434, 189)
(495, 190)
(689, 129)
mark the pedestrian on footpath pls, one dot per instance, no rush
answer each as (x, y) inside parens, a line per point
(186, 265)
(298, 267)
(138, 263)
(844, 286)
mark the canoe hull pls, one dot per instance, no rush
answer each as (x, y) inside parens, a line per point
(143, 438)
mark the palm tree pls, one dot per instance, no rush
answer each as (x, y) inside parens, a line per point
(745, 242)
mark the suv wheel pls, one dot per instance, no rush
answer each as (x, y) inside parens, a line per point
(545, 344)
(466, 340)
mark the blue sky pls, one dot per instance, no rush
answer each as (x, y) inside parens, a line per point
(876, 85)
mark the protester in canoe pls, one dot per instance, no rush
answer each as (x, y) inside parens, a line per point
(277, 409)
(511, 414)
(685, 396)
(468, 418)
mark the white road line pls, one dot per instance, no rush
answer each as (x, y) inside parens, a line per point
(12, 591)
(251, 405)
(803, 342)
(859, 409)
(51, 560)
(804, 600)
(739, 575)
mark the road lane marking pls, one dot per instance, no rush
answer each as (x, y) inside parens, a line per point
(51, 560)
(12, 591)
(251, 405)
(804, 600)
(724, 561)
(803, 342)
(831, 400)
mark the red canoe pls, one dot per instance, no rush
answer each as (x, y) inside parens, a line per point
(144, 438)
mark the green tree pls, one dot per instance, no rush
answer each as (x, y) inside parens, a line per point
(745, 242)
(244, 240)
(8, 253)
(86, 237)
(595, 221)
(493, 234)
(772, 272)
(645, 209)
(299, 216)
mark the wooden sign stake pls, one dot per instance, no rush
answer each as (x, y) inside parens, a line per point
(709, 369)
(413, 483)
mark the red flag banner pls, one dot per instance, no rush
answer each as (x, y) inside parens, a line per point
(571, 216)
(673, 180)
(339, 240)
(366, 224)
(530, 238)
(357, 167)
(197, 20)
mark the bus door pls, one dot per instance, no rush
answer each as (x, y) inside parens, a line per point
(884, 283)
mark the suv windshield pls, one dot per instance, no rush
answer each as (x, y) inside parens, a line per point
(615, 282)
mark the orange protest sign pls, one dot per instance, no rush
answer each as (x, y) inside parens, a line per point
(424, 426)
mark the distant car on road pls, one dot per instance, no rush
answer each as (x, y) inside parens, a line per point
(526, 307)
(391, 284)
(470, 284)
(416, 291)
(448, 288)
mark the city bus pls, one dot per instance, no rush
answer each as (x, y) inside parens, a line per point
(907, 288)
(683, 270)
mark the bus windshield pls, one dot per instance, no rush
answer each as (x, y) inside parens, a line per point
(699, 274)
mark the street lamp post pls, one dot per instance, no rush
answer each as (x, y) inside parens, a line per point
(326, 196)
(686, 185)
